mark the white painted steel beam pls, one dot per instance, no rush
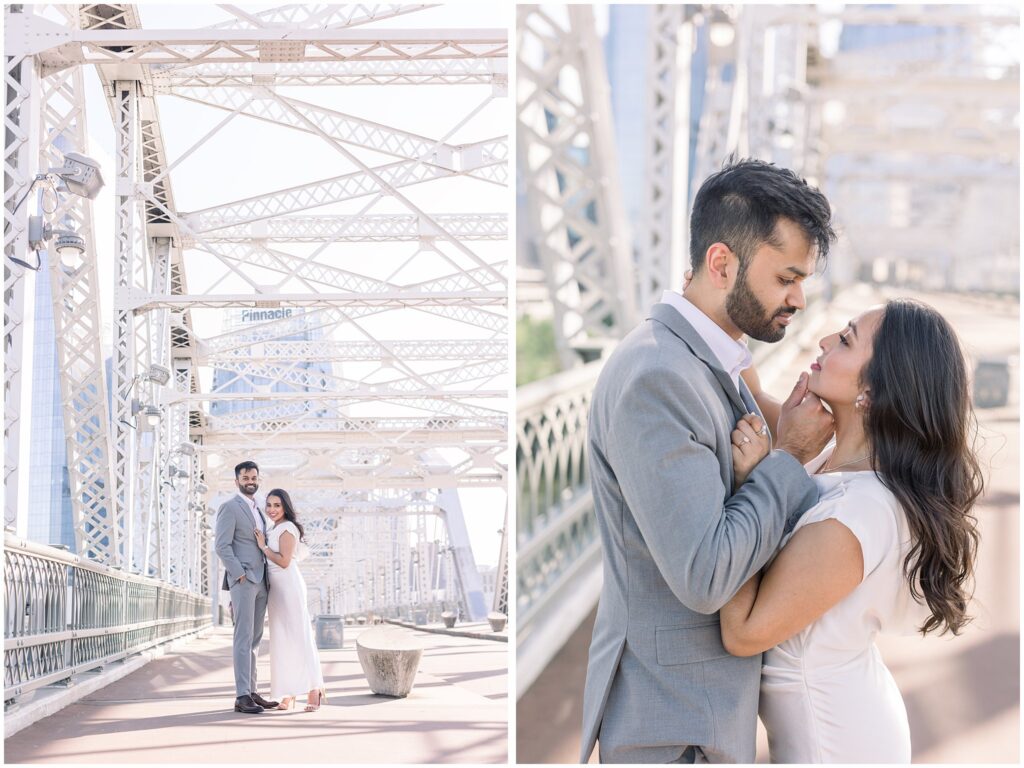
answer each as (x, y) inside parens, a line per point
(363, 229)
(58, 47)
(326, 16)
(483, 71)
(363, 351)
(99, 525)
(662, 242)
(384, 300)
(575, 220)
(21, 149)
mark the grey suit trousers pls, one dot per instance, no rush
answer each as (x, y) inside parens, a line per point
(249, 602)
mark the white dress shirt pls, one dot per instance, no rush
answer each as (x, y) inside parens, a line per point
(255, 510)
(733, 355)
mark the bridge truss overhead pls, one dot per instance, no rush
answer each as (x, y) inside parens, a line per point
(306, 274)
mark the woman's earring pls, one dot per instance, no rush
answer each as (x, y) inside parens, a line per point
(859, 402)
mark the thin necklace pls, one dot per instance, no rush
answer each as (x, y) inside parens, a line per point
(827, 468)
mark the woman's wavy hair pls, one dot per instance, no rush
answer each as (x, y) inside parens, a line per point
(922, 429)
(289, 509)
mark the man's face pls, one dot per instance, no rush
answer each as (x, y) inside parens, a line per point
(248, 481)
(767, 294)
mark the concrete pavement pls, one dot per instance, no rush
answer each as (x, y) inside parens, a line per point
(179, 709)
(962, 693)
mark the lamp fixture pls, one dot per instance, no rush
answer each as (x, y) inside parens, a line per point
(721, 31)
(150, 415)
(81, 176)
(158, 374)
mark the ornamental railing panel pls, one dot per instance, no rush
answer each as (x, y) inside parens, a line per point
(65, 615)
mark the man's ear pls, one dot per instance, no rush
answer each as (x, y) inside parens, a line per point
(721, 265)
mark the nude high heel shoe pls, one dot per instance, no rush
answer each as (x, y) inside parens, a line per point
(321, 697)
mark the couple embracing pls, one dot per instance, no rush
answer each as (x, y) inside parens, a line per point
(754, 549)
(262, 575)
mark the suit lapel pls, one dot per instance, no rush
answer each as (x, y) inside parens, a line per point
(748, 399)
(241, 510)
(670, 317)
(246, 514)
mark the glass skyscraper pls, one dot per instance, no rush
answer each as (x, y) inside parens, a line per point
(49, 487)
(247, 322)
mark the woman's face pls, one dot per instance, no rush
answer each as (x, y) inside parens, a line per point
(275, 509)
(836, 374)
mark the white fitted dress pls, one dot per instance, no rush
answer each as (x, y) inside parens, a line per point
(294, 660)
(826, 694)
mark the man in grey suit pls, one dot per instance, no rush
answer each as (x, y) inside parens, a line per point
(245, 576)
(678, 539)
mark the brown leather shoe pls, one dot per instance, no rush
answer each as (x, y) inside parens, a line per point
(263, 702)
(247, 705)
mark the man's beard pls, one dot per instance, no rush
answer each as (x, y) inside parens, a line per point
(245, 488)
(749, 314)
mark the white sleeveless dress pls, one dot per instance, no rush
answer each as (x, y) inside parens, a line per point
(294, 660)
(826, 694)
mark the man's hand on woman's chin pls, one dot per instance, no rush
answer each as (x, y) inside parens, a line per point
(805, 425)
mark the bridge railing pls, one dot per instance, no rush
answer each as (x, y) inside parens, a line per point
(65, 615)
(558, 560)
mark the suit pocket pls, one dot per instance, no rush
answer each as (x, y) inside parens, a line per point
(688, 645)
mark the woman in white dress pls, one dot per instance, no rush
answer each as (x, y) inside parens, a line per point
(294, 661)
(889, 547)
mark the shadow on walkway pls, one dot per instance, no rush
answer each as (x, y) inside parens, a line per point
(179, 709)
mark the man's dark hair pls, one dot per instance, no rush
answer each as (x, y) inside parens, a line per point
(741, 204)
(245, 465)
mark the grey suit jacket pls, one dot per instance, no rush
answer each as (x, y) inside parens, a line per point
(236, 543)
(677, 545)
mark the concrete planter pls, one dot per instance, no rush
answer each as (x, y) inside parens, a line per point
(497, 621)
(389, 657)
(448, 618)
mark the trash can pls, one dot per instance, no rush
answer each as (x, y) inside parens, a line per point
(329, 632)
(991, 384)
(419, 617)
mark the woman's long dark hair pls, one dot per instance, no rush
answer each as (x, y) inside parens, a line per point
(289, 510)
(922, 430)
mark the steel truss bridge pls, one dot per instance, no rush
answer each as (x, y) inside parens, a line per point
(363, 360)
(914, 140)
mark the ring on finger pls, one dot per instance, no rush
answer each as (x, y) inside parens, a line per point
(745, 440)
(763, 430)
